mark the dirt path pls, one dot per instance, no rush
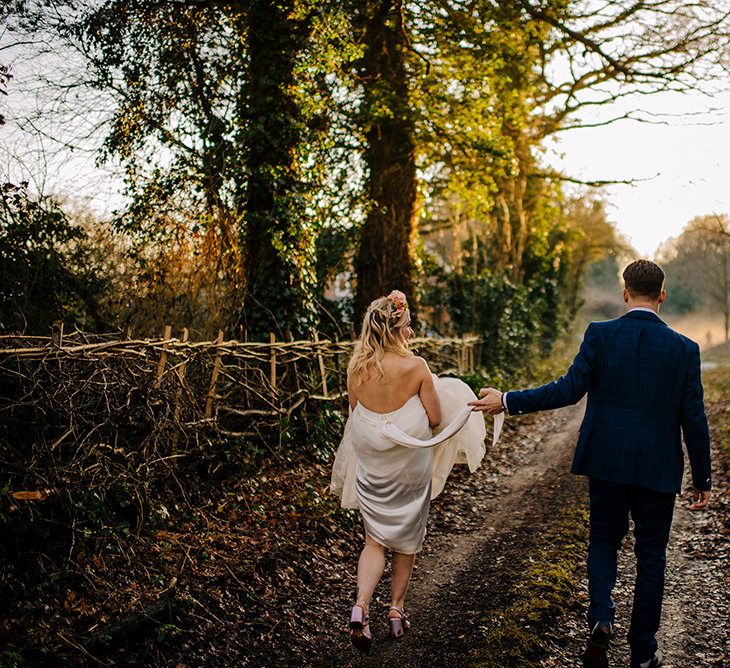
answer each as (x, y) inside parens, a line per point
(695, 631)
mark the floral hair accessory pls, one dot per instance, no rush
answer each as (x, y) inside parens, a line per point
(398, 304)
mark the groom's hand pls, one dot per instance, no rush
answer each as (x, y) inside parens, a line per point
(700, 498)
(490, 401)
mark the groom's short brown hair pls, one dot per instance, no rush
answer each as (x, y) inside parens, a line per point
(644, 278)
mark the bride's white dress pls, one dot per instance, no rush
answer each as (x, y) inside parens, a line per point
(390, 465)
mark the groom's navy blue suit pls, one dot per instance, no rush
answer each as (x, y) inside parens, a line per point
(644, 391)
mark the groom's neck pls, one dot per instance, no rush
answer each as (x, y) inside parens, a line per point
(640, 303)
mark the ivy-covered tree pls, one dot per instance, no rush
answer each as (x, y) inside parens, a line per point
(219, 119)
(279, 238)
(384, 260)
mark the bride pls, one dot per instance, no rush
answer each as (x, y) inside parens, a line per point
(405, 431)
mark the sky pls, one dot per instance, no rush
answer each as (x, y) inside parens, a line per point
(681, 165)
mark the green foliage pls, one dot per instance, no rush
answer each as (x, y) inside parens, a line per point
(167, 632)
(49, 269)
(491, 305)
(698, 267)
(10, 659)
(518, 318)
(604, 273)
(327, 433)
(281, 139)
(224, 120)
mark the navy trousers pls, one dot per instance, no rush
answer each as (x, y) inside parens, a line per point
(610, 507)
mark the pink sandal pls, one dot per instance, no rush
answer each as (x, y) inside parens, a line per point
(398, 625)
(360, 629)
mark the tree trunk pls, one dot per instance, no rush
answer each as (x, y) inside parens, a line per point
(385, 259)
(520, 218)
(279, 255)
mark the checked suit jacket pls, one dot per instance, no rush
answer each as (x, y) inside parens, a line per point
(644, 391)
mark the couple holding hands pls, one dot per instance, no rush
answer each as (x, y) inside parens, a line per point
(407, 428)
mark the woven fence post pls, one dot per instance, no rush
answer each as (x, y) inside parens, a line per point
(244, 369)
(166, 334)
(338, 364)
(57, 334)
(214, 375)
(180, 371)
(272, 374)
(322, 370)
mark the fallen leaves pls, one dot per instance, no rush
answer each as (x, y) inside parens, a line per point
(34, 495)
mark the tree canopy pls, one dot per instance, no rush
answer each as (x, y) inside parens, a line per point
(697, 263)
(284, 144)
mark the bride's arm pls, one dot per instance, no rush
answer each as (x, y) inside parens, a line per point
(351, 393)
(428, 396)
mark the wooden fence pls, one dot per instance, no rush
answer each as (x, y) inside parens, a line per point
(235, 387)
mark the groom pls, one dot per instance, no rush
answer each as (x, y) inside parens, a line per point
(643, 384)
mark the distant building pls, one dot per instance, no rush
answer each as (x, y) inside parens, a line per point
(340, 287)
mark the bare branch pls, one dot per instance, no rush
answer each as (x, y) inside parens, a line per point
(594, 183)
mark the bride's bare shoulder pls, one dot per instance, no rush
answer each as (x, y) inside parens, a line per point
(420, 363)
(411, 364)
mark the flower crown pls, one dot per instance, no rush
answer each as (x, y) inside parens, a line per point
(398, 305)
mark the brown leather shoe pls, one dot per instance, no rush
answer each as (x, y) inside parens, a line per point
(595, 655)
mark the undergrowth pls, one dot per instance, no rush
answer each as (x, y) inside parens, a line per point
(717, 399)
(237, 533)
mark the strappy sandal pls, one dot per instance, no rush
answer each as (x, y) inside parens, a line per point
(398, 625)
(360, 635)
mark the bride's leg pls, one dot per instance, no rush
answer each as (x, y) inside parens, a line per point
(402, 568)
(369, 570)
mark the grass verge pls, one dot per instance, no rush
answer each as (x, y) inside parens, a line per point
(544, 591)
(717, 402)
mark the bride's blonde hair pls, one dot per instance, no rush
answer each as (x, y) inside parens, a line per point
(381, 333)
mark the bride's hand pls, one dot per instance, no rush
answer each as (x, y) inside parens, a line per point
(490, 401)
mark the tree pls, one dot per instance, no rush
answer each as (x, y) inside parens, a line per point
(699, 261)
(384, 260)
(48, 267)
(268, 133)
(280, 277)
(171, 73)
(542, 65)
(219, 116)
(595, 245)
